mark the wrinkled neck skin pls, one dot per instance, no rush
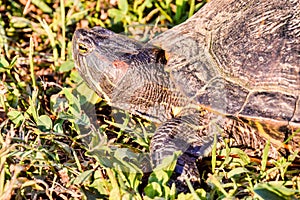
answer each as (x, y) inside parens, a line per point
(129, 74)
(147, 90)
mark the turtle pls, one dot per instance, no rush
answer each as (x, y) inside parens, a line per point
(230, 74)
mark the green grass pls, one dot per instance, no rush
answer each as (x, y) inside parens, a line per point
(59, 140)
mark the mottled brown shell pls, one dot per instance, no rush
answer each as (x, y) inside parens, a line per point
(241, 58)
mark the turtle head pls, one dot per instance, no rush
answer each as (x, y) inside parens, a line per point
(104, 59)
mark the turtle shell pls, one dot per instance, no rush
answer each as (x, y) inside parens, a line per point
(240, 58)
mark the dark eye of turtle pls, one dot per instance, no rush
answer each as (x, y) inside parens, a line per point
(82, 48)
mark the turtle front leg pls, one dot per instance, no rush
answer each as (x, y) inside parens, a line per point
(191, 134)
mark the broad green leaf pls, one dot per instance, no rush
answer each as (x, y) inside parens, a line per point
(16, 117)
(64, 147)
(242, 155)
(116, 14)
(77, 16)
(168, 163)
(87, 95)
(237, 171)
(83, 177)
(58, 127)
(115, 192)
(123, 6)
(4, 65)
(20, 22)
(42, 5)
(75, 107)
(58, 103)
(274, 190)
(44, 123)
(183, 196)
(153, 190)
(66, 66)
(128, 159)
(101, 184)
(74, 76)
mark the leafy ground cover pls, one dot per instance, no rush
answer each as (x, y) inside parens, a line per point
(59, 140)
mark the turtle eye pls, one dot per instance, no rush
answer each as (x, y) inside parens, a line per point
(82, 48)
